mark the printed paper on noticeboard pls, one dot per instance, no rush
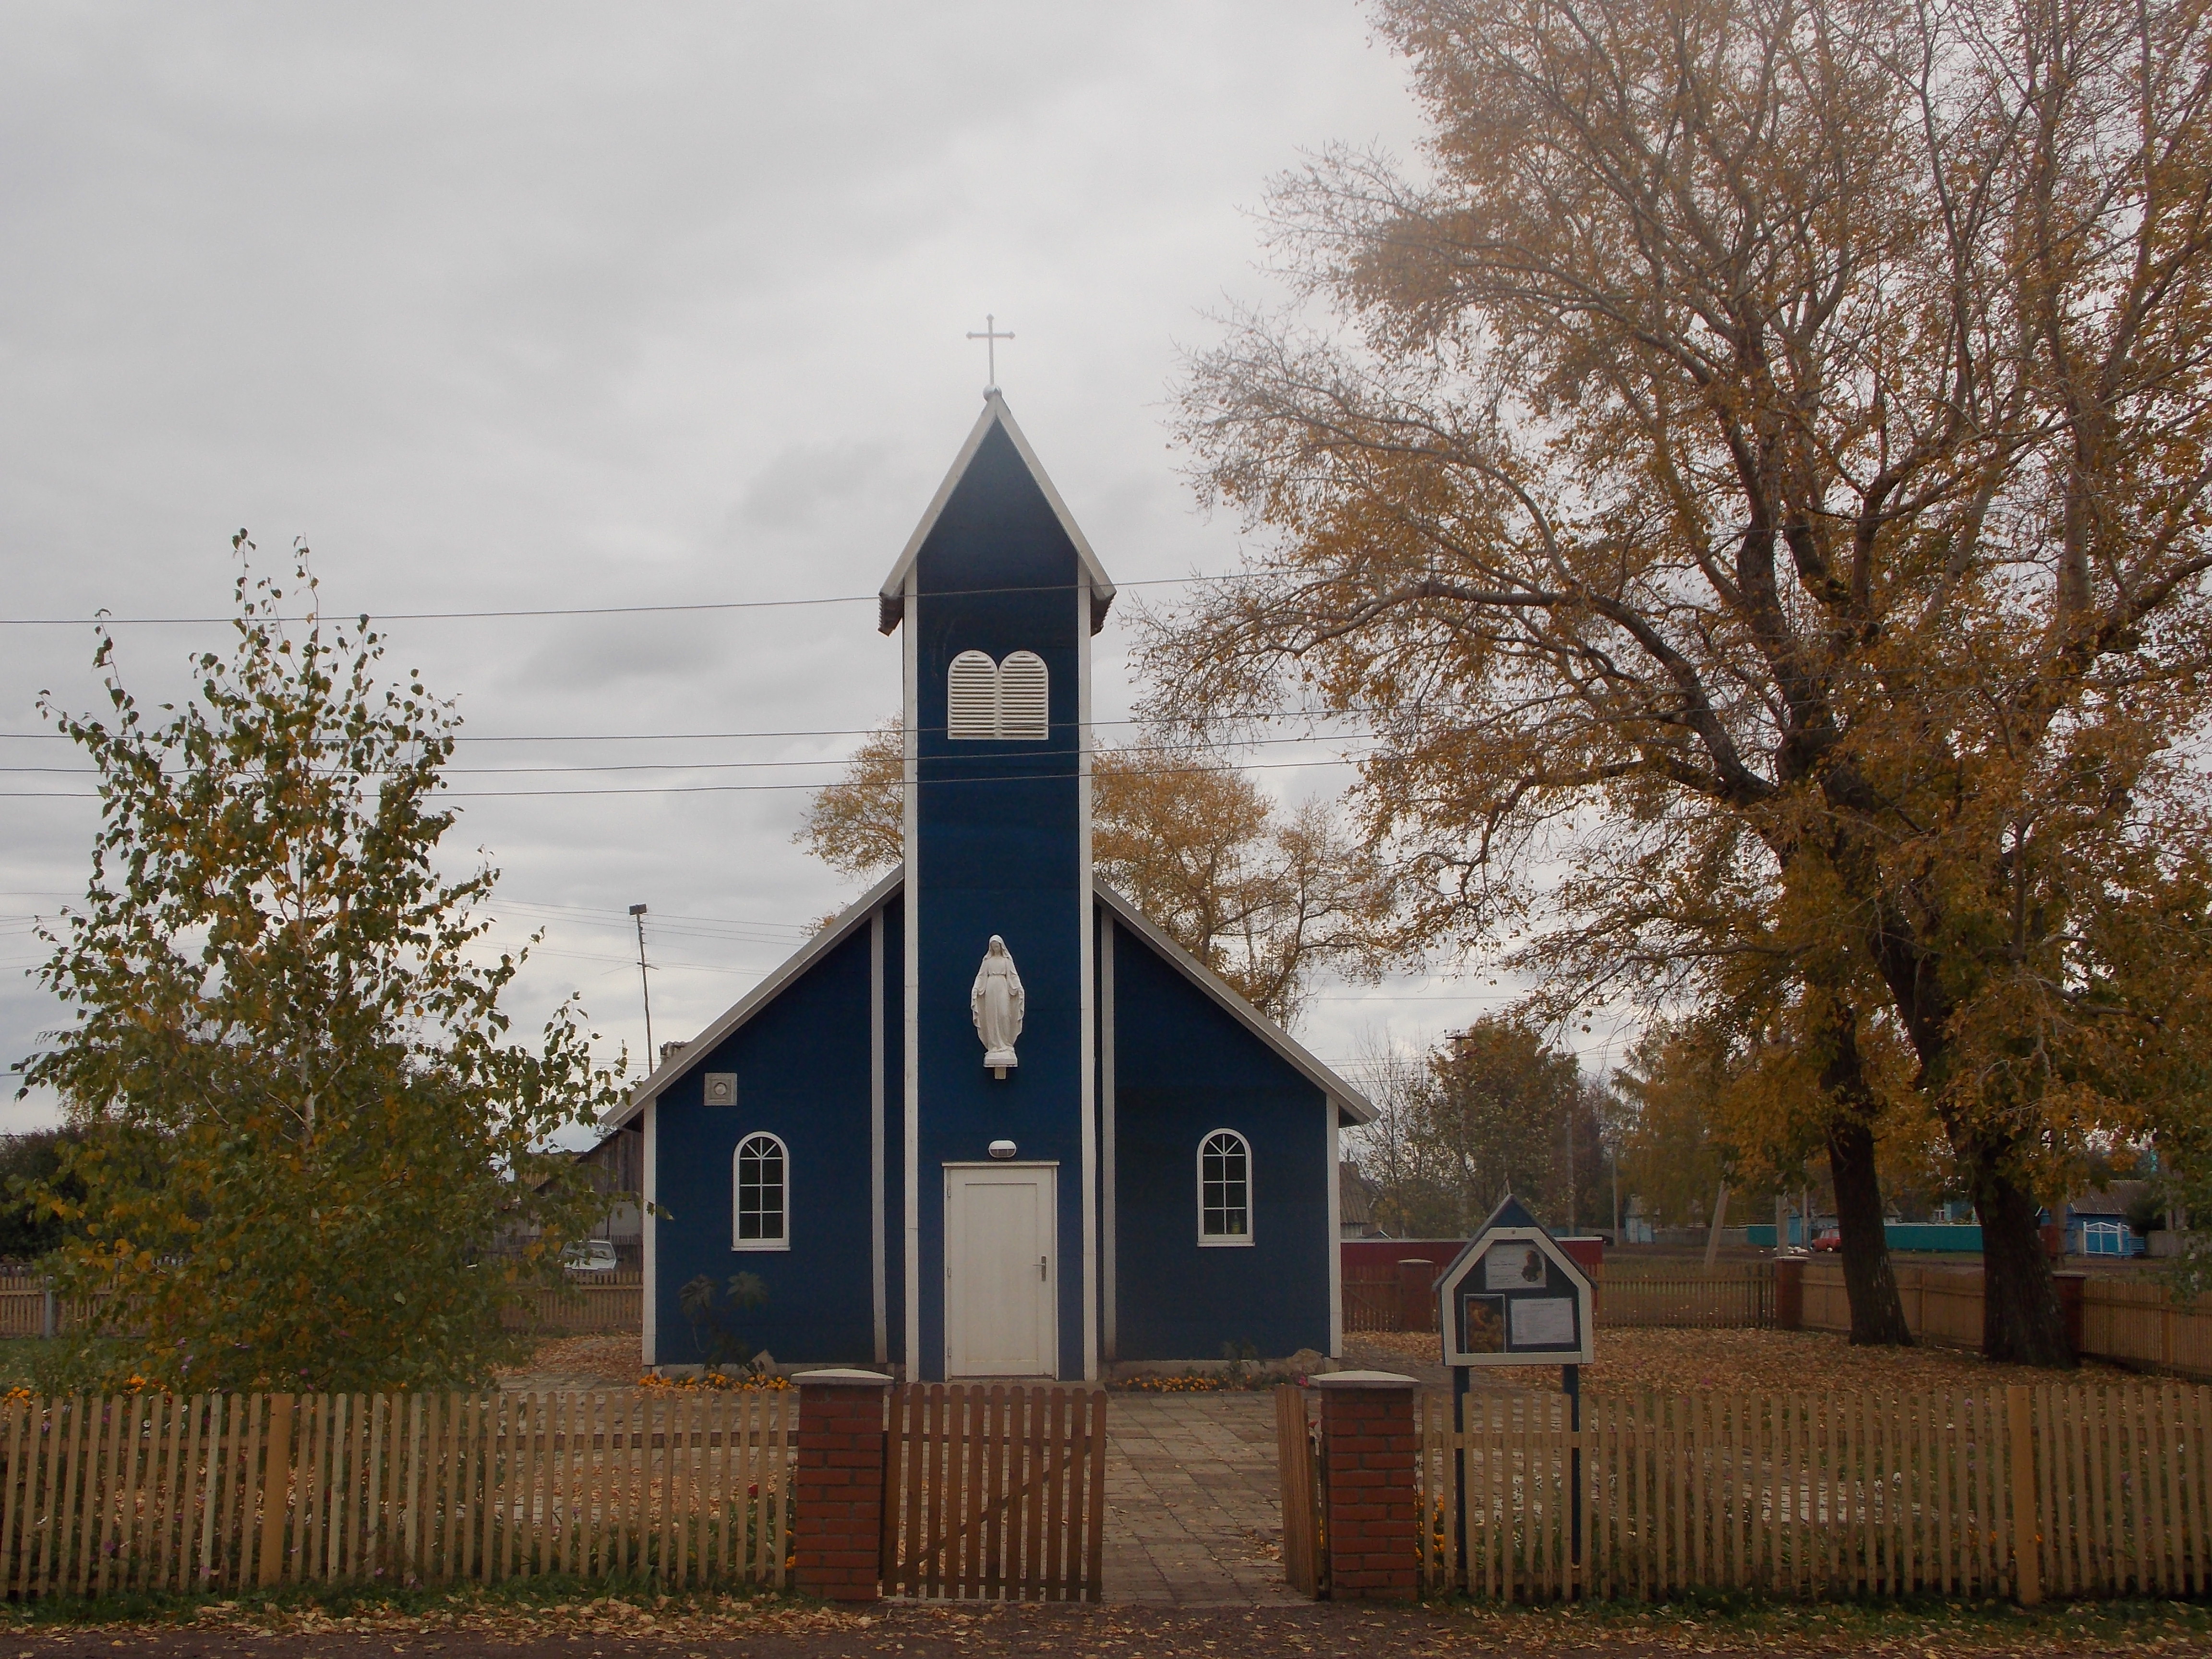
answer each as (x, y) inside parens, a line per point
(1512, 1268)
(1543, 1321)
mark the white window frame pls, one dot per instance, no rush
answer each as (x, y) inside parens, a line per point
(1227, 1241)
(737, 1243)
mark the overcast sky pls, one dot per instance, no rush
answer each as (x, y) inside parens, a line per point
(535, 305)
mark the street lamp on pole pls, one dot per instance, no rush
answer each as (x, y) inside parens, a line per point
(652, 1057)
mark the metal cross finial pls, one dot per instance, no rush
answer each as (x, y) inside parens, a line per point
(990, 336)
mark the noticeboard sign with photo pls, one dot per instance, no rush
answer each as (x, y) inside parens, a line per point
(1514, 1296)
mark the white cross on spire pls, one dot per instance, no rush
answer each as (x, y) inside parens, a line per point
(990, 335)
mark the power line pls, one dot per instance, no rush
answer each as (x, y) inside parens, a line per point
(822, 732)
(719, 765)
(757, 788)
(97, 621)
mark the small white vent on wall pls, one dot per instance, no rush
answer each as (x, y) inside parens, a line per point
(971, 697)
(1022, 698)
(1008, 701)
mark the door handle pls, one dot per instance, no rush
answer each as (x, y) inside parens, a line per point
(1040, 1261)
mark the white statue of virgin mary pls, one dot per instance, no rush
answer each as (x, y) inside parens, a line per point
(997, 1003)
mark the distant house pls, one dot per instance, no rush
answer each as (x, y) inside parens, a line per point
(2096, 1221)
(1356, 1203)
(615, 1168)
(1636, 1226)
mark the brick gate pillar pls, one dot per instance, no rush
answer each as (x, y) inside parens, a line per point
(838, 1523)
(1369, 1450)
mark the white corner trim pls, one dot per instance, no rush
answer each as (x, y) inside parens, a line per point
(1086, 921)
(1110, 1203)
(878, 1299)
(1335, 1235)
(648, 1294)
(910, 979)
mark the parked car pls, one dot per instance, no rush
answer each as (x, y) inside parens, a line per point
(589, 1256)
(1829, 1238)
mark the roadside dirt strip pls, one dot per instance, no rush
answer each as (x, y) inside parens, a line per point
(782, 1630)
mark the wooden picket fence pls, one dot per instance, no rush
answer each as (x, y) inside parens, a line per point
(577, 1307)
(994, 1491)
(155, 1492)
(1372, 1301)
(1741, 1298)
(2084, 1490)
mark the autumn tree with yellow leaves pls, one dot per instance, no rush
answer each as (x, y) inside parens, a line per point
(1750, 475)
(1265, 897)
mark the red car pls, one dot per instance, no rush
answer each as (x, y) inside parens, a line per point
(1829, 1238)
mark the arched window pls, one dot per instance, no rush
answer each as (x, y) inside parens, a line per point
(1003, 702)
(1224, 1188)
(762, 1205)
(1023, 698)
(971, 697)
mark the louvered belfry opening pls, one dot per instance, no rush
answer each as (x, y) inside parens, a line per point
(1006, 702)
(1022, 717)
(971, 699)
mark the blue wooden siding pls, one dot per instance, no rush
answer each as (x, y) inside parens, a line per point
(1184, 1066)
(997, 851)
(802, 1068)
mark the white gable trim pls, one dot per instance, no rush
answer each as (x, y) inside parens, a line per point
(754, 1000)
(891, 599)
(1350, 1101)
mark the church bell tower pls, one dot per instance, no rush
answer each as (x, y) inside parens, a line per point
(999, 594)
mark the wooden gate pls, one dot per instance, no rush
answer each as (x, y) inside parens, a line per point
(997, 1493)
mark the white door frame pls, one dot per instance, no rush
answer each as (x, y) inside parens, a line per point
(1050, 1171)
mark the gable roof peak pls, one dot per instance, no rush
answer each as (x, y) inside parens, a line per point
(891, 599)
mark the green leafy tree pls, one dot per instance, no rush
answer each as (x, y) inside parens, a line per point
(310, 1157)
(28, 1163)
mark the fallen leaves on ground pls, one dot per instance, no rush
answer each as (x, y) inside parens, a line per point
(1758, 1362)
(774, 1627)
(613, 1362)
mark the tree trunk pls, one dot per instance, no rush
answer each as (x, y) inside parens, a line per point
(1877, 1310)
(2021, 1323)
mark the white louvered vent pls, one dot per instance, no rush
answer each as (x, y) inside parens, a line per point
(1023, 688)
(971, 697)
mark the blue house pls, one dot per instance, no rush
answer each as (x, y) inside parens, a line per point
(992, 1121)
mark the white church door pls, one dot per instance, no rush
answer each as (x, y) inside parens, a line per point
(1001, 1277)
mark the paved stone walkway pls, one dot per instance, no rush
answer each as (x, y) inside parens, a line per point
(1192, 1514)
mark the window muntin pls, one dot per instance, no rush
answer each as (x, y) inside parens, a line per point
(761, 1189)
(1224, 1188)
(987, 701)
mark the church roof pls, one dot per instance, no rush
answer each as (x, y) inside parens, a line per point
(1350, 1101)
(891, 600)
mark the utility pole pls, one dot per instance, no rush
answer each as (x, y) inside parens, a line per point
(652, 1054)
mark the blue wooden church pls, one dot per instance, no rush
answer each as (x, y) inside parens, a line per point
(991, 1121)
